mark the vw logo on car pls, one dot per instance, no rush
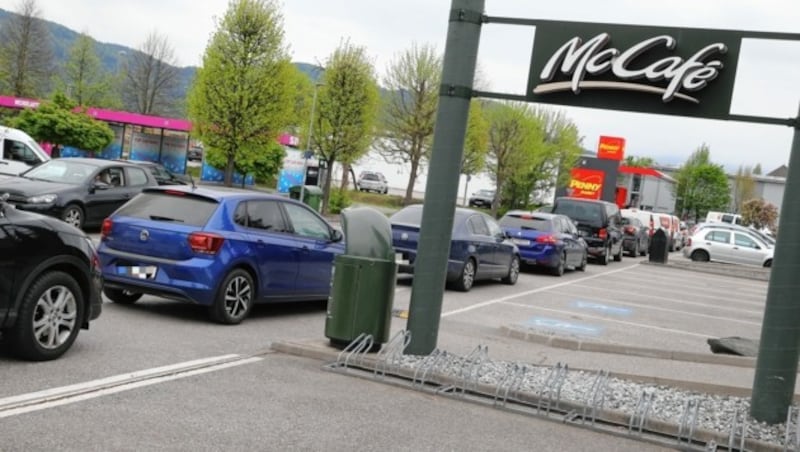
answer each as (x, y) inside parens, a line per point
(144, 235)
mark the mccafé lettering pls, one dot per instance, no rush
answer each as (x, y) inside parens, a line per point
(578, 60)
(584, 186)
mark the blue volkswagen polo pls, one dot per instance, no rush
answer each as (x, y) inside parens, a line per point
(224, 250)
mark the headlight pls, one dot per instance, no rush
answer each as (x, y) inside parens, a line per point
(42, 199)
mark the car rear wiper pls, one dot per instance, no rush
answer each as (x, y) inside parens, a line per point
(160, 218)
(528, 228)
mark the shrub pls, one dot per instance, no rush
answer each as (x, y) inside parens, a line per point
(339, 200)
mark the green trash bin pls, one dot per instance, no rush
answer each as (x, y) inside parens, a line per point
(312, 195)
(363, 280)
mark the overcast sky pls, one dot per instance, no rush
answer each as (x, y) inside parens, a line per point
(768, 71)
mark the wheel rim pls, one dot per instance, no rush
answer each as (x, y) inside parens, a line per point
(238, 296)
(514, 271)
(469, 274)
(55, 317)
(73, 217)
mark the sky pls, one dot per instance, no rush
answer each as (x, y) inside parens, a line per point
(767, 77)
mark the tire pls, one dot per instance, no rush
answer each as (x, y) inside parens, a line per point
(635, 251)
(513, 271)
(40, 316)
(559, 269)
(467, 277)
(121, 296)
(235, 298)
(73, 215)
(768, 263)
(584, 261)
(606, 257)
(700, 256)
(643, 252)
(618, 256)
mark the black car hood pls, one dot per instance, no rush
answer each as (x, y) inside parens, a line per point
(21, 187)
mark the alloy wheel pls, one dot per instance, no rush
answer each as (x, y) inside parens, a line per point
(73, 217)
(55, 317)
(238, 296)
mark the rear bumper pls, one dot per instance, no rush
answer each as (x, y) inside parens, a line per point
(453, 267)
(547, 257)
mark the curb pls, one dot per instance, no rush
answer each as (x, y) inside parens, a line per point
(753, 273)
(569, 343)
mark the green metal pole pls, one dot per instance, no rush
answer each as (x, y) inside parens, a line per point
(441, 192)
(779, 349)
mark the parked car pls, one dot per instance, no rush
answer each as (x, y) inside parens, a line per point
(636, 236)
(194, 153)
(599, 223)
(224, 250)
(162, 175)
(482, 198)
(372, 181)
(49, 283)
(80, 191)
(723, 244)
(19, 152)
(767, 239)
(479, 249)
(546, 240)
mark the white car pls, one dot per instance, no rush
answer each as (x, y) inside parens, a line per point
(369, 181)
(722, 244)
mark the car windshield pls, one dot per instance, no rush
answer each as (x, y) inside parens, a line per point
(487, 193)
(410, 215)
(61, 171)
(583, 212)
(370, 177)
(526, 222)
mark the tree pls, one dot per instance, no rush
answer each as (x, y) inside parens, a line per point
(744, 187)
(151, 76)
(513, 133)
(759, 214)
(409, 116)
(242, 95)
(476, 143)
(757, 170)
(701, 185)
(347, 105)
(58, 121)
(83, 78)
(26, 52)
(639, 162)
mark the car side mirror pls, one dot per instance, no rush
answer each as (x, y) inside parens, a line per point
(337, 236)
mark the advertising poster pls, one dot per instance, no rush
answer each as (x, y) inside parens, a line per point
(291, 173)
(69, 151)
(114, 150)
(145, 147)
(210, 174)
(611, 148)
(585, 183)
(173, 153)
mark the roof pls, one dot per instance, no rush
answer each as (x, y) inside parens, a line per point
(644, 172)
(94, 161)
(781, 171)
(217, 195)
(538, 214)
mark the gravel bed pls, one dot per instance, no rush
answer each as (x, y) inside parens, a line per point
(716, 413)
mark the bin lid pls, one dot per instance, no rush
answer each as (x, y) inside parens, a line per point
(367, 232)
(311, 190)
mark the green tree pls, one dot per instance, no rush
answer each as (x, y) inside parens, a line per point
(151, 76)
(26, 52)
(84, 79)
(242, 95)
(409, 116)
(701, 186)
(59, 122)
(744, 187)
(757, 170)
(347, 105)
(639, 162)
(760, 214)
(476, 143)
(513, 133)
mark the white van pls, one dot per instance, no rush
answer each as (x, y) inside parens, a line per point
(723, 217)
(19, 152)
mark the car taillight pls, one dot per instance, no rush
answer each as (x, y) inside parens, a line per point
(205, 243)
(630, 230)
(96, 262)
(689, 242)
(105, 231)
(546, 240)
(602, 233)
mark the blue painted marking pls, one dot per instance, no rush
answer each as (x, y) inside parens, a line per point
(563, 326)
(605, 309)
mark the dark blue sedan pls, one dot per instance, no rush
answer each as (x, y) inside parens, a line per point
(478, 248)
(546, 240)
(224, 250)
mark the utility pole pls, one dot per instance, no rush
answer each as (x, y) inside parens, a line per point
(308, 151)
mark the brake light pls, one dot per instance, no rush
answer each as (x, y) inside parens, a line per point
(205, 243)
(546, 240)
(602, 233)
(96, 263)
(689, 242)
(630, 230)
(105, 230)
(174, 192)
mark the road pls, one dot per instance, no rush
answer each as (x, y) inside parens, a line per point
(160, 375)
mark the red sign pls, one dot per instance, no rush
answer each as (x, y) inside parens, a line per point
(586, 183)
(611, 148)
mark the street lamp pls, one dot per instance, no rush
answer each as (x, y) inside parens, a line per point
(308, 151)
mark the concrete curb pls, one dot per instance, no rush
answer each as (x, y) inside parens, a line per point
(754, 273)
(525, 334)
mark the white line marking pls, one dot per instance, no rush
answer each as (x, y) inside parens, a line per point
(682, 284)
(622, 322)
(50, 398)
(754, 304)
(533, 291)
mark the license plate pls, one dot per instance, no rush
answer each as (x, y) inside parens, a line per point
(139, 272)
(521, 242)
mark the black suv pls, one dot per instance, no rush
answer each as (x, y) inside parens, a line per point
(599, 223)
(50, 283)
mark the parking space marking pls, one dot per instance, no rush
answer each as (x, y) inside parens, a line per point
(605, 309)
(682, 284)
(731, 280)
(605, 319)
(734, 294)
(50, 398)
(579, 329)
(673, 300)
(483, 304)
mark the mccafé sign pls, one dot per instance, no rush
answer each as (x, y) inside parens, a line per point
(585, 183)
(687, 72)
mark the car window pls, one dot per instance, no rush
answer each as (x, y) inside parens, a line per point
(305, 223)
(719, 236)
(15, 150)
(264, 215)
(477, 226)
(526, 222)
(115, 176)
(569, 226)
(744, 241)
(163, 206)
(494, 229)
(62, 171)
(137, 177)
(583, 212)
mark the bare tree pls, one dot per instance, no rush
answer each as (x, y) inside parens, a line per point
(151, 76)
(26, 52)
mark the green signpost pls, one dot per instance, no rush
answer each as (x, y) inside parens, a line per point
(672, 71)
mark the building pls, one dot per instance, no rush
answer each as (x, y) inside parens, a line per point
(646, 189)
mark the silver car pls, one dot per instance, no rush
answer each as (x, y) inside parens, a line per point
(768, 240)
(373, 182)
(723, 244)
